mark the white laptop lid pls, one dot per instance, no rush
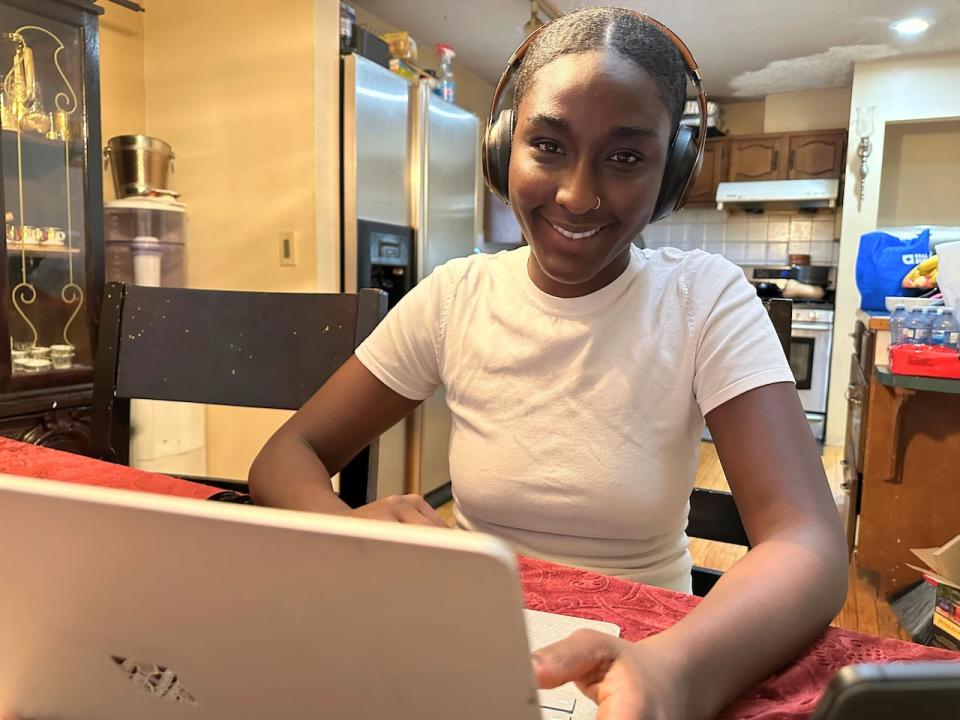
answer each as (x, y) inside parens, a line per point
(116, 604)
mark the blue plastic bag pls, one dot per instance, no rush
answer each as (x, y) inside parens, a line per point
(882, 262)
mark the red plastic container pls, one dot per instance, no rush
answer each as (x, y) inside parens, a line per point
(925, 360)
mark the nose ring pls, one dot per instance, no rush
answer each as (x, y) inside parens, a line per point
(598, 203)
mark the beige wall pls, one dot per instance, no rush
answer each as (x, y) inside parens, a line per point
(248, 100)
(824, 109)
(233, 93)
(326, 156)
(920, 176)
(743, 118)
(122, 87)
(903, 90)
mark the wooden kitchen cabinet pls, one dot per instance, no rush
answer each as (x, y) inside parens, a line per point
(816, 155)
(716, 156)
(901, 453)
(787, 156)
(757, 158)
(910, 495)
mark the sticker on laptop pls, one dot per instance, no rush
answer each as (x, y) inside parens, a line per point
(155, 680)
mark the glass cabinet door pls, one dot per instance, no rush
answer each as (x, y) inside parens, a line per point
(44, 196)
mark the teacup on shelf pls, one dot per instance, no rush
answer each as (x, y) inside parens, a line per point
(35, 365)
(62, 356)
(53, 236)
(40, 353)
(32, 235)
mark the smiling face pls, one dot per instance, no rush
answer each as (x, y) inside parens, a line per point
(591, 125)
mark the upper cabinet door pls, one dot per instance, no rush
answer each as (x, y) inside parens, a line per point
(712, 173)
(759, 158)
(816, 155)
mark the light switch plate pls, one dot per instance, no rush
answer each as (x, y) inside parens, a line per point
(288, 247)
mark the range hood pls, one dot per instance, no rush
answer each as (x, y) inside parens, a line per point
(774, 194)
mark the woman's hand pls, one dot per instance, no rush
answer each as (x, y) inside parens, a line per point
(410, 509)
(628, 681)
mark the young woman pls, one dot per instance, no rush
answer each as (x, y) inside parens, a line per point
(579, 371)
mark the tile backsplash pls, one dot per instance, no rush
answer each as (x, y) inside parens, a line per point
(744, 239)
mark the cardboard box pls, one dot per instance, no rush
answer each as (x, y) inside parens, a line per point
(943, 569)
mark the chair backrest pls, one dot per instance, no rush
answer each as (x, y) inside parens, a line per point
(780, 311)
(713, 513)
(247, 349)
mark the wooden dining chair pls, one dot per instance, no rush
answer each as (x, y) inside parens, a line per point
(713, 513)
(246, 349)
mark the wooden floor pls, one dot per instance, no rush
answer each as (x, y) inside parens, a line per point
(863, 611)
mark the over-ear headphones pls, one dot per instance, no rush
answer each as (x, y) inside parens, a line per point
(684, 157)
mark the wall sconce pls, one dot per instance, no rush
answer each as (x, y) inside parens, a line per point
(864, 129)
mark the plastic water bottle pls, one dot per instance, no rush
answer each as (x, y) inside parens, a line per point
(916, 328)
(448, 88)
(937, 335)
(897, 319)
(945, 330)
(930, 316)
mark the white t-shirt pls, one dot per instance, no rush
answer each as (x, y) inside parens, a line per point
(576, 421)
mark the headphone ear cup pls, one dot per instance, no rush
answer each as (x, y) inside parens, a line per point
(496, 149)
(682, 168)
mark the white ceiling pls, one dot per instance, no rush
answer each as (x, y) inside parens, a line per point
(745, 48)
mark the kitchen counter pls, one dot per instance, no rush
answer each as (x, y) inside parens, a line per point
(874, 319)
(917, 382)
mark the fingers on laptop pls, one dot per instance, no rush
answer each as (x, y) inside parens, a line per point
(424, 508)
(583, 657)
(411, 509)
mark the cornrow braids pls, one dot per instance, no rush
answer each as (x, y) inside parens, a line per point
(592, 29)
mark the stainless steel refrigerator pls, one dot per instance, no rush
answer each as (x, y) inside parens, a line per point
(411, 197)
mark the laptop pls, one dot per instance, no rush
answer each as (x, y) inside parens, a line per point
(117, 604)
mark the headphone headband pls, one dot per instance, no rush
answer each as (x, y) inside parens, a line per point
(496, 176)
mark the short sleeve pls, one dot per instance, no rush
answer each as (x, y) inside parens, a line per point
(736, 346)
(402, 351)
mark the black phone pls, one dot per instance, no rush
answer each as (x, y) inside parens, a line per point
(927, 690)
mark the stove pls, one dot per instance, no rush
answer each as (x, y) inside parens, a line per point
(811, 336)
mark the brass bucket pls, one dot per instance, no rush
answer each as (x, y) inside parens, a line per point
(141, 165)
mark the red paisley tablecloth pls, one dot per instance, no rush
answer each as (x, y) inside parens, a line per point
(640, 610)
(17, 458)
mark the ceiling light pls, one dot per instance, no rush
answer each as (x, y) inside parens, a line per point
(910, 26)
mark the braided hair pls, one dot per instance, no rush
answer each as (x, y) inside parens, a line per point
(615, 29)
